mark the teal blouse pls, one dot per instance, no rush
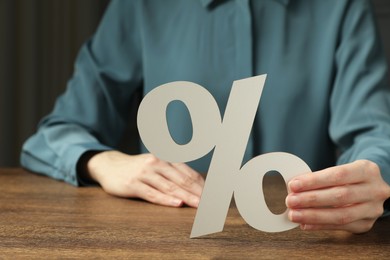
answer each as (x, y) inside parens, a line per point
(326, 98)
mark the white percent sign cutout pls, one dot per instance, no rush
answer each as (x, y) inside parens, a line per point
(226, 175)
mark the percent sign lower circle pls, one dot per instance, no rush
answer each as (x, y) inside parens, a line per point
(229, 139)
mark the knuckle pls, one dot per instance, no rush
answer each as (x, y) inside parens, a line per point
(187, 181)
(142, 175)
(378, 211)
(151, 159)
(170, 188)
(151, 196)
(339, 175)
(342, 195)
(129, 183)
(312, 198)
(344, 218)
(371, 167)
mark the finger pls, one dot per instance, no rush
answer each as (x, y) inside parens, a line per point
(183, 176)
(168, 187)
(331, 197)
(333, 176)
(360, 226)
(192, 180)
(152, 195)
(335, 216)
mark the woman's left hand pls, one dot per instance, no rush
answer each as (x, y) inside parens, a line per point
(347, 197)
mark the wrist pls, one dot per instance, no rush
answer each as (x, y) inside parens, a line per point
(86, 168)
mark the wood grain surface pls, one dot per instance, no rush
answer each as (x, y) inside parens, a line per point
(41, 218)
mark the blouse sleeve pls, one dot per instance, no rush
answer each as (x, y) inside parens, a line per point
(93, 111)
(360, 100)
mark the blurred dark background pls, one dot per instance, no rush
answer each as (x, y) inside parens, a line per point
(39, 40)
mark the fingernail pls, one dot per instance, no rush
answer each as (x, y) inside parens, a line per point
(177, 202)
(307, 227)
(292, 201)
(295, 185)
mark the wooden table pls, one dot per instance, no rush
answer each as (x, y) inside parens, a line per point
(44, 218)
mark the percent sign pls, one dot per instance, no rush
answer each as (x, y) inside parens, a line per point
(226, 175)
